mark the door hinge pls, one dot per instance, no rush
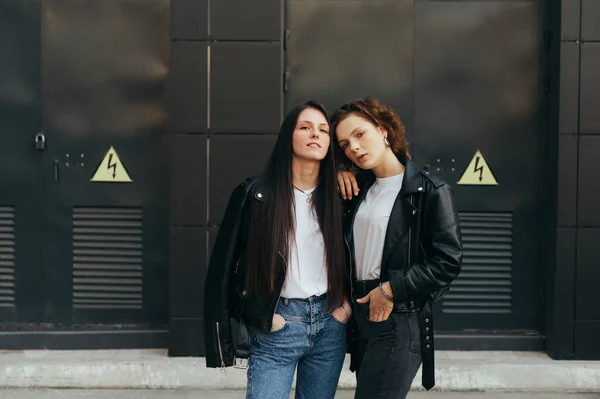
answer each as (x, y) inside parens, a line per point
(286, 79)
(286, 38)
(546, 39)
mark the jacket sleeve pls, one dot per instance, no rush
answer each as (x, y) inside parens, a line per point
(225, 252)
(442, 244)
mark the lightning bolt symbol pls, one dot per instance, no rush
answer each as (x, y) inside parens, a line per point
(112, 165)
(478, 169)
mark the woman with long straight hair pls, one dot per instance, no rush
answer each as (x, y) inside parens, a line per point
(278, 266)
(406, 246)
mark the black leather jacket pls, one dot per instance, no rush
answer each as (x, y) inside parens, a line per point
(422, 253)
(225, 297)
(427, 278)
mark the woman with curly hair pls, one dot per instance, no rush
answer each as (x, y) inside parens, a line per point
(403, 232)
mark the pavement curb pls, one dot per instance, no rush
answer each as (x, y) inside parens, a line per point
(191, 373)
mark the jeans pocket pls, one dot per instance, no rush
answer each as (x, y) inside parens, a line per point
(278, 317)
(368, 317)
(278, 331)
(273, 339)
(414, 332)
(339, 322)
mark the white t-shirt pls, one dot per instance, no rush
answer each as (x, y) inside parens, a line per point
(306, 271)
(370, 225)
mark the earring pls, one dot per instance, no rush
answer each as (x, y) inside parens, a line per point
(386, 142)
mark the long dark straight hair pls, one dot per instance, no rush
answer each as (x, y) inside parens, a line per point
(272, 226)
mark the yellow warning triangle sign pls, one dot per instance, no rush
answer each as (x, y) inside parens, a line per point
(478, 173)
(111, 169)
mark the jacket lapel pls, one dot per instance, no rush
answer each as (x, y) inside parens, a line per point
(404, 213)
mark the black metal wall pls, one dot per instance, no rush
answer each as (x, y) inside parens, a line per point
(573, 315)
(74, 253)
(225, 101)
(20, 120)
(464, 75)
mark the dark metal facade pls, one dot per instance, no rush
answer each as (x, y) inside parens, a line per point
(226, 91)
(190, 93)
(78, 78)
(573, 318)
(465, 77)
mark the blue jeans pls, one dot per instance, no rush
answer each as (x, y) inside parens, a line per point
(312, 339)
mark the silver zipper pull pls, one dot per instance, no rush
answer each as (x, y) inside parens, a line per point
(220, 348)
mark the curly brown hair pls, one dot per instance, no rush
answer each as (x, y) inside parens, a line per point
(381, 116)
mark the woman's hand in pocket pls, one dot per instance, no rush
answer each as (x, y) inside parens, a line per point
(380, 307)
(278, 323)
(343, 313)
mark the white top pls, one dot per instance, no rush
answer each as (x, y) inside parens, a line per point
(306, 272)
(370, 225)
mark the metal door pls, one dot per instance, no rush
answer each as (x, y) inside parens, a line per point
(21, 271)
(479, 97)
(105, 168)
(464, 76)
(83, 209)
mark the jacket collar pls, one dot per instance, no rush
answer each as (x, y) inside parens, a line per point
(413, 179)
(404, 211)
(412, 182)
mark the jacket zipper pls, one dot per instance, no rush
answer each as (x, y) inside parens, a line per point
(220, 348)
(412, 303)
(351, 268)
(410, 235)
(237, 264)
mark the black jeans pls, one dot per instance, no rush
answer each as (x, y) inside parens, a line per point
(389, 354)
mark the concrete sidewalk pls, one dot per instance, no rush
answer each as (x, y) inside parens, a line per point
(152, 369)
(18, 393)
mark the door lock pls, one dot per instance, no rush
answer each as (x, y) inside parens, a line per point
(40, 141)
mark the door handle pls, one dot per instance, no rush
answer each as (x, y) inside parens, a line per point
(56, 175)
(40, 141)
